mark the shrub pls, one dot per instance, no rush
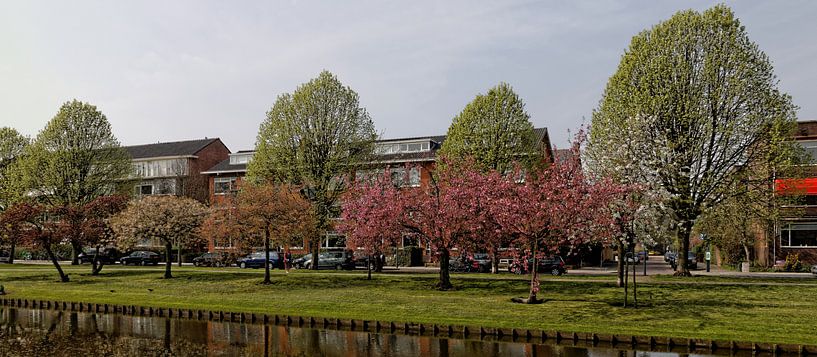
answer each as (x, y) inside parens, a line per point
(793, 263)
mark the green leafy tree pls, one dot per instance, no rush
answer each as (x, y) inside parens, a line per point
(687, 107)
(74, 160)
(170, 219)
(493, 132)
(12, 146)
(314, 138)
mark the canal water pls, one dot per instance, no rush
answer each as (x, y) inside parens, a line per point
(38, 332)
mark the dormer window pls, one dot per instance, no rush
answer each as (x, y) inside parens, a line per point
(402, 147)
(240, 159)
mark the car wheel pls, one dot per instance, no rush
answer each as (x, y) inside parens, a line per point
(143, 263)
(338, 267)
(243, 265)
(555, 271)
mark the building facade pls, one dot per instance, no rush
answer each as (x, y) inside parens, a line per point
(797, 234)
(418, 155)
(175, 168)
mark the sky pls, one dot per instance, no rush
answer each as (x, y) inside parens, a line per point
(179, 70)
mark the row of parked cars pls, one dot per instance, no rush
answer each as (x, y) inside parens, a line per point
(481, 263)
(672, 258)
(329, 260)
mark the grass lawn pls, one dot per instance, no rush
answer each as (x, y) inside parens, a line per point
(724, 309)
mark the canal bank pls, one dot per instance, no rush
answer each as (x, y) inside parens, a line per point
(772, 313)
(211, 331)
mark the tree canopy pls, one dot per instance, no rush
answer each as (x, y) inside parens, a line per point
(12, 146)
(689, 104)
(170, 219)
(73, 160)
(314, 137)
(494, 130)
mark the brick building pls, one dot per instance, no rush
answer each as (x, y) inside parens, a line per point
(175, 168)
(797, 234)
(417, 154)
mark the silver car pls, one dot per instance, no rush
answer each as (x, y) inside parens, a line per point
(814, 270)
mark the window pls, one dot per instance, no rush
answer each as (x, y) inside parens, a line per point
(398, 177)
(799, 235)
(396, 148)
(334, 240)
(811, 148)
(224, 185)
(160, 168)
(143, 190)
(239, 159)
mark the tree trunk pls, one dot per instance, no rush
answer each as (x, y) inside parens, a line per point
(534, 275)
(494, 260)
(179, 258)
(11, 253)
(369, 268)
(683, 233)
(316, 248)
(76, 250)
(445, 277)
(63, 276)
(266, 256)
(96, 266)
(747, 252)
(620, 264)
(168, 259)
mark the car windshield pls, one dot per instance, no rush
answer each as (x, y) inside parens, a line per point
(481, 256)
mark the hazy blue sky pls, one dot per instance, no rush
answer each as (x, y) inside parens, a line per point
(174, 70)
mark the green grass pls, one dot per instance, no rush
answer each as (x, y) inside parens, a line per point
(725, 309)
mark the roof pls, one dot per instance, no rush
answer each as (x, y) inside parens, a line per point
(431, 155)
(435, 138)
(176, 148)
(226, 167)
(562, 155)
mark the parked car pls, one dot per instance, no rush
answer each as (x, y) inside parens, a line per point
(106, 256)
(256, 260)
(482, 262)
(669, 255)
(341, 259)
(554, 265)
(479, 262)
(215, 259)
(630, 259)
(643, 256)
(5, 256)
(141, 257)
(361, 260)
(814, 270)
(299, 263)
(692, 261)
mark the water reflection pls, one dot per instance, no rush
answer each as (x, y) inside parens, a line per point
(25, 332)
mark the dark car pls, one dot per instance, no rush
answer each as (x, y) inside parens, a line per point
(106, 256)
(362, 260)
(140, 257)
(482, 262)
(256, 260)
(554, 265)
(692, 261)
(5, 257)
(215, 259)
(669, 256)
(299, 263)
(478, 262)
